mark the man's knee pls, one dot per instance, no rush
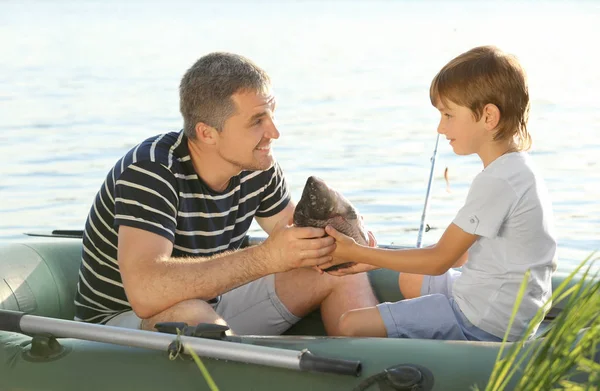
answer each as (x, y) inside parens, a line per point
(191, 312)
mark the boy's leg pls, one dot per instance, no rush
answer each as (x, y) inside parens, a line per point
(363, 322)
(410, 285)
(416, 285)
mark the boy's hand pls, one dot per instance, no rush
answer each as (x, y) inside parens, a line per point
(345, 248)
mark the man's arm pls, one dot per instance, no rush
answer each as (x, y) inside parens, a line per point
(155, 281)
(286, 215)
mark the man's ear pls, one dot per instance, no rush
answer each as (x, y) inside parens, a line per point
(206, 134)
(491, 116)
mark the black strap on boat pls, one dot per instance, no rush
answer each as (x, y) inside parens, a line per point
(11, 321)
(403, 377)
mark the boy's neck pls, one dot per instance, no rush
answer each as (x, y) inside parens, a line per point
(493, 150)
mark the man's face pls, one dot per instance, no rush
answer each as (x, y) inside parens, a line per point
(246, 138)
(458, 124)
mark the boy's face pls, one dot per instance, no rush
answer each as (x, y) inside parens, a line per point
(458, 124)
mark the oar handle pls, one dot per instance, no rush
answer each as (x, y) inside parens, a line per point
(310, 362)
(11, 321)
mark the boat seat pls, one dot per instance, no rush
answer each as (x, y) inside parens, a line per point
(40, 278)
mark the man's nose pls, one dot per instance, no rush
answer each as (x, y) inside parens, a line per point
(272, 131)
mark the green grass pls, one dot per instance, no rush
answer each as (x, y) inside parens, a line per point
(564, 358)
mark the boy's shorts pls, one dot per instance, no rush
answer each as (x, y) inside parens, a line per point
(433, 315)
(251, 309)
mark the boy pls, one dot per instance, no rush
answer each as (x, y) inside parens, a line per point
(506, 223)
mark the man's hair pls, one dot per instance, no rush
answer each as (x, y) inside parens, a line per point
(206, 89)
(486, 75)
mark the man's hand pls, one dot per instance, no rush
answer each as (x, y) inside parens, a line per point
(289, 247)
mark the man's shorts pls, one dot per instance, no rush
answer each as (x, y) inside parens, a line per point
(252, 309)
(433, 315)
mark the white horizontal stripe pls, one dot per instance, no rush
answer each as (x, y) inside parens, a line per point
(146, 207)
(155, 176)
(274, 191)
(100, 294)
(100, 261)
(251, 195)
(276, 204)
(130, 218)
(100, 235)
(106, 207)
(184, 159)
(208, 196)
(186, 177)
(153, 148)
(108, 227)
(208, 250)
(215, 233)
(108, 191)
(107, 311)
(147, 190)
(207, 215)
(91, 320)
(172, 149)
(135, 153)
(250, 176)
(101, 277)
(92, 301)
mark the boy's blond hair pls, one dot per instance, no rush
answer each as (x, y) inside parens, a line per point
(486, 75)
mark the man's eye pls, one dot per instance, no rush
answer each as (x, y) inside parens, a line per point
(258, 122)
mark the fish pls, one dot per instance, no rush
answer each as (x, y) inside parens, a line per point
(320, 205)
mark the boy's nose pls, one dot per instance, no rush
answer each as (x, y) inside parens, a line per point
(440, 128)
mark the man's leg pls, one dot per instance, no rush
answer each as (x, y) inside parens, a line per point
(191, 312)
(304, 290)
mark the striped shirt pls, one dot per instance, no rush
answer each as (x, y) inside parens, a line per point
(154, 187)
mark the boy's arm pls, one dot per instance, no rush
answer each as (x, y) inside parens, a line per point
(433, 260)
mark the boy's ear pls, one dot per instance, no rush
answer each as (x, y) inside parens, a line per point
(491, 116)
(206, 134)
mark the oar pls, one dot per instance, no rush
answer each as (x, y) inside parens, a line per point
(304, 360)
(427, 194)
(248, 240)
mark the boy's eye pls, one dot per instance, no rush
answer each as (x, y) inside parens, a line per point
(447, 115)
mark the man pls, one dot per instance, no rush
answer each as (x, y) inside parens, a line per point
(162, 237)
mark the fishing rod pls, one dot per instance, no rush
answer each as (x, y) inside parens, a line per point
(427, 194)
(304, 360)
(247, 242)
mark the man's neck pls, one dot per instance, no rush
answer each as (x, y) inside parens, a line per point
(214, 172)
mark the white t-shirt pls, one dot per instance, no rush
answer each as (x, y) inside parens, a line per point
(508, 207)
